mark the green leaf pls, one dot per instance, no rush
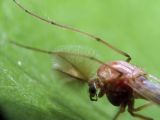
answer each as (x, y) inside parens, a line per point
(30, 89)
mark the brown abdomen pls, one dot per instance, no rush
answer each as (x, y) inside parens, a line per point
(119, 93)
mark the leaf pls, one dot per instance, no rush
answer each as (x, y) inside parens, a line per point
(29, 89)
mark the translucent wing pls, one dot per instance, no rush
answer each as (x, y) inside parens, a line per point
(75, 66)
(147, 87)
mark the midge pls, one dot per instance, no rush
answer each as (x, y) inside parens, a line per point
(120, 81)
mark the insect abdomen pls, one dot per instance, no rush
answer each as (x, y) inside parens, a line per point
(119, 94)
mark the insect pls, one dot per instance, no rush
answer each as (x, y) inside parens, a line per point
(121, 81)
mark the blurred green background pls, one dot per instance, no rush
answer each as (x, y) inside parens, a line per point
(28, 87)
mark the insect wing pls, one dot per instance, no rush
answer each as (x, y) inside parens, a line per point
(75, 66)
(66, 67)
(147, 87)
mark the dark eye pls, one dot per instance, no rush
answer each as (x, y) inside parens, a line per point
(92, 90)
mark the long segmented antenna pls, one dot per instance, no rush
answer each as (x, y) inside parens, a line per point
(63, 53)
(76, 30)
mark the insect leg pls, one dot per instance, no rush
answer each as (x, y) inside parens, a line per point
(142, 107)
(121, 110)
(139, 116)
(76, 30)
(131, 111)
(101, 93)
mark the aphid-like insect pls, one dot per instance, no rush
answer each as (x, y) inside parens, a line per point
(121, 81)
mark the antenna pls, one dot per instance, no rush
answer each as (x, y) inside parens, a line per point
(62, 54)
(52, 22)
